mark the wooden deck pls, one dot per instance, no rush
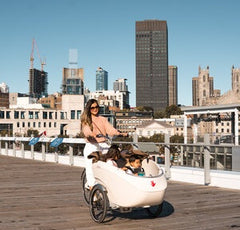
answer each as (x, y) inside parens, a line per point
(43, 196)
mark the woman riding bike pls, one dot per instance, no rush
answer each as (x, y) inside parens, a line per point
(94, 128)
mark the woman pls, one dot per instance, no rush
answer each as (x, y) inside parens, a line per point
(93, 125)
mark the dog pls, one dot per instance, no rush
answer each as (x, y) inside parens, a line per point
(97, 156)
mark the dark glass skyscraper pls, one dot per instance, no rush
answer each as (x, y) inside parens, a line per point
(152, 64)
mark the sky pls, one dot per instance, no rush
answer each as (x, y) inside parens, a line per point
(200, 33)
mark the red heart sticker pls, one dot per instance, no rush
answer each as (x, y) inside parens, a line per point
(153, 183)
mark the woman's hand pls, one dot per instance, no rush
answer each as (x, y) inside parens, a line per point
(124, 134)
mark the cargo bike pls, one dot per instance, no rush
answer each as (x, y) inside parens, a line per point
(118, 190)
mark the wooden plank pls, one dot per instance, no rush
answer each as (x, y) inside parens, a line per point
(44, 196)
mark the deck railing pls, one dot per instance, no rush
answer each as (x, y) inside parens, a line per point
(201, 155)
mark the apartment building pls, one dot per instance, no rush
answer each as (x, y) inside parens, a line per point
(18, 119)
(130, 120)
(110, 98)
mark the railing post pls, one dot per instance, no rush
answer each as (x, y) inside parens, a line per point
(193, 157)
(225, 159)
(70, 154)
(181, 156)
(56, 155)
(43, 152)
(22, 149)
(6, 146)
(187, 151)
(167, 156)
(207, 179)
(32, 149)
(14, 147)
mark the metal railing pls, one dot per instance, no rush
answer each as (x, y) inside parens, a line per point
(202, 155)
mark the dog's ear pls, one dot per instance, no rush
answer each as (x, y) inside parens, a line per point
(93, 155)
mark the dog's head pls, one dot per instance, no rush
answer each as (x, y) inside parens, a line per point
(96, 156)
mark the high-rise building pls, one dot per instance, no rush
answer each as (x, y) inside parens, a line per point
(152, 64)
(38, 83)
(72, 81)
(101, 79)
(202, 87)
(172, 85)
(73, 77)
(121, 85)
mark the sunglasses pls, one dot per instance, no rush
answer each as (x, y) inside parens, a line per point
(95, 107)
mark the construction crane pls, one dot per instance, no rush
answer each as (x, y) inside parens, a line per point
(34, 45)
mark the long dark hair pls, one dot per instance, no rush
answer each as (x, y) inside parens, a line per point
(86, 118)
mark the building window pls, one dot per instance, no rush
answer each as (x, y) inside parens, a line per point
(29, 125)
(23, 124)
(50, 115)
(36, 115)
(44, 115)
(56, 116)
(39, 124)
(30, 115)
(34, 124)
(72, 114)
(44, 124)
(62, 115)
(2, 114)
(16, 114)
(204, 93)
(79, 114)
(18, 125)
(222, 130)
(22, 115)
(49, 124)
(8, 114)
(55, 124)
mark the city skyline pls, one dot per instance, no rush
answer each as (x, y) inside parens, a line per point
(200, 34)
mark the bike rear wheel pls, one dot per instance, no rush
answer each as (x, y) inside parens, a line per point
(85, 189)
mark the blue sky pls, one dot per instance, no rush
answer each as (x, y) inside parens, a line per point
(200, 33)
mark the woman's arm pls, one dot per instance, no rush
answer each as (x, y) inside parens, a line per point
(88, 134)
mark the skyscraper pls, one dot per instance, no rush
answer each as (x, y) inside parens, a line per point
(172, 82)
(152, 64)
(38, 83)
(73, 77)
(101, 79)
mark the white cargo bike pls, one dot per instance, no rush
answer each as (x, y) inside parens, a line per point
(117, 190)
